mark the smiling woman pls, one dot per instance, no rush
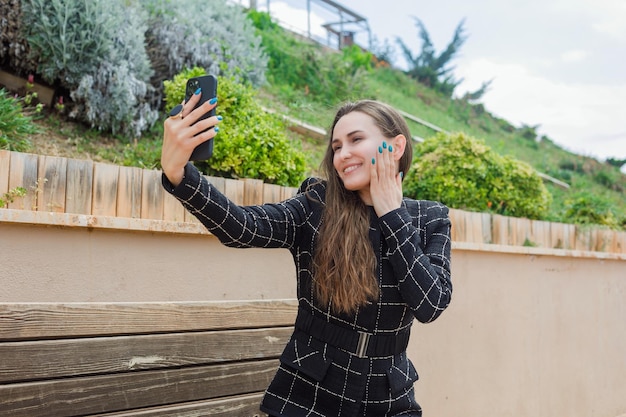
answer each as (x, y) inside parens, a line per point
(368, 261)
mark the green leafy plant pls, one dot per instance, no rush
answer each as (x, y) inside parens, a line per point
(252, 143)
(11, 195)
(463, 172)
(586, 208)
(15, 125)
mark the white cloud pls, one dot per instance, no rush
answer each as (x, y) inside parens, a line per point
(575, 55)
(579, 117)
(608, 17)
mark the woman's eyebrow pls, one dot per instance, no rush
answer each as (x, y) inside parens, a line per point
(354, 132)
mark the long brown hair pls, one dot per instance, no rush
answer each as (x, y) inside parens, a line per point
(344, 263)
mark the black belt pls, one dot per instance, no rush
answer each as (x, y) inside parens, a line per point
(361, 344)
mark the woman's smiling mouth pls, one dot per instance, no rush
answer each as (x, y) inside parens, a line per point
(351, 168)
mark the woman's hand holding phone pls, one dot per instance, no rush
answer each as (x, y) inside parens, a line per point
(183, 132)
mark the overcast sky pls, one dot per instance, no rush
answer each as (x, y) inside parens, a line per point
(560, 64)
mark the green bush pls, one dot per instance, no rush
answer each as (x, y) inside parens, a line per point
(251, 143)
(15, 126)
(465, 173)
(587, 208)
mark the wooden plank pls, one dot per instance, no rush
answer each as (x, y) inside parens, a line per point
(272, 193)
(499, 229)
(521, 232)
(583, 238)
(557, 236)
(52, 177)
(541, 233)
(173, 210)
(24, 174)
(5, 164)
(218, 182)
(602, 240)
(105, 177)
(26, 321)
(473, 227)
(108, 393)
(288, 192)
(46, 359)
(570, 236)
(253, 192)
(486, 230)
(620, 242)
(152, 195)
(129, 192)
(239, 406)
(234, 190)
(563, 236)
(457, 232)
(78, 194)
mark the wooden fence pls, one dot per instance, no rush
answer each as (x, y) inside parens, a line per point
(62, 185)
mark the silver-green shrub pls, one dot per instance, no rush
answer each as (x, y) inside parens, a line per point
(112, 99)
(212, 34)
(95, 50)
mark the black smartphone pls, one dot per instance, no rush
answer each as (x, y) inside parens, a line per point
(208, 84)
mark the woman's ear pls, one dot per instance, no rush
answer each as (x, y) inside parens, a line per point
(399, 145)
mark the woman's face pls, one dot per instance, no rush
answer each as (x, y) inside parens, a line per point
(355, 142)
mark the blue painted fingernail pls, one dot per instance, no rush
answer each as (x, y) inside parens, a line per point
(213, 100)
(217, 129)
(390, 148)
(373, 161)
(219, 117)
(197, 91)
(380, 150)
(385, 145)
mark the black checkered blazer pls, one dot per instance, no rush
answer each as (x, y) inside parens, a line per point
(316, 378)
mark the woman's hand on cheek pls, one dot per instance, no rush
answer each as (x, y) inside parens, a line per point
(385, 182)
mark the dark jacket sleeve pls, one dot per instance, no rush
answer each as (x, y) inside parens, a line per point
(264, 226)
(418, 238)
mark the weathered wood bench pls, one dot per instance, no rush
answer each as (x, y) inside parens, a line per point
(140, 359)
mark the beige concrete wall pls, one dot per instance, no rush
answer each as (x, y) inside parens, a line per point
(59, 264)
(526, 335)
(530, 332)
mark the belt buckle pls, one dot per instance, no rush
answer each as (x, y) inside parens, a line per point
(361, 347)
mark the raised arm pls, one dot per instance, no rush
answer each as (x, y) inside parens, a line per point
(419, 251)
(266, 226)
